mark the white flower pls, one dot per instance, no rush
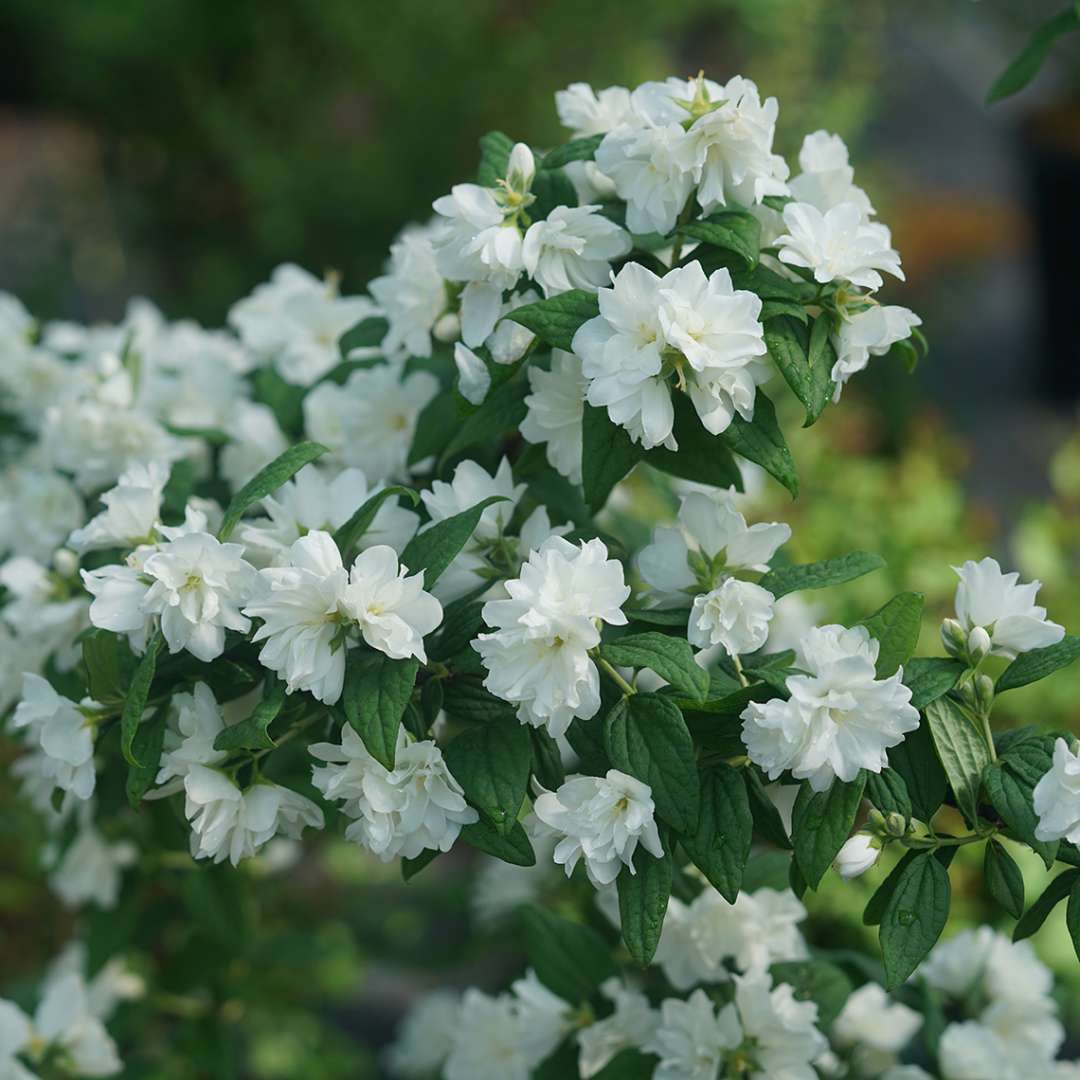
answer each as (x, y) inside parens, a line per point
(474, 379)
(692, 1040)
(538, 657)
(227, 823)
(573, 248)
(875, 1027)
(735, 615)
(1057, 797)
(711, 527)
(509, 340)
(1004, 608)
(781, 1032)
(841, 718)
(311, 604)
(858, 854)
(984, 962)
(500, 888)
(63, 734)
(838, 245)
(90, 870)
(868, 333)
(369, 422)
(653, 169)
(603, 819)
(702, 938)
(1011, 1040)
(41, 609)
(256, 317)
(38, 509)
(544, 1016)
(320, 500)
(555, 410)
(491, 1041)
(416, 807)
(411, 294)
(827, 178)
(586, 111)
(255, 440)
(198, 722)
(632, 1024)
(132, 511)
(425, 1036)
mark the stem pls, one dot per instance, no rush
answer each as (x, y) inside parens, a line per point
(927, 843)
(988, 735)
(619, 681)
(739, 671)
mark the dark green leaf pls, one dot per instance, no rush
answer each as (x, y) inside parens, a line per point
(645, 735)
(1072, 917)
(349, 535)
(896, 627)
(701, 457)
(820, 575)
(135, 701)
(556, 320)
(627, 1065)
(1038, 663)
(804, 360)
(465, 699)
(1026, 66)
(1010, 793)
(1004, 881)
(768, 284)
(366, 334)
(643, 901)
(495, 150)
(671, 658)
(962, 751)
(1052, 895)
(607, 455)
(761, 441)
(581, 149)
(930, 677)
(492, 762)
(109, 665)
(547, 763)
(767, 820)
(818, 981)
(916, 762)
(146, 747)
(411, 867)
(720, 846)
(503, 409)
(253, 732)
(732, 230)
(876, 905)
(570, 959)
(434, 549)
(514, 848)
(267, 481)
(888, 792)
(435, 427)
(587, 739)
(374, 697)
(820, 824)
(914, 917)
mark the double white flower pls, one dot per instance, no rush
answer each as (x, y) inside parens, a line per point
(840, 717)
(696, 333)
(538, 658)
(312, 607)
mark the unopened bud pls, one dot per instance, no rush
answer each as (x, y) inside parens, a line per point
(858, 854)
(65, 562)
(520, 169)
(447, 327)
(896, 825)
(953, 637)
(983, 693)
(978, 645)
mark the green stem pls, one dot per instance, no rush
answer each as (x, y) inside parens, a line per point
(619, 681)
(989, 736)
(739, 671)
(927, 843)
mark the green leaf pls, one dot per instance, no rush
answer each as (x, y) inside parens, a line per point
(774, 309)
(769, 285)
(820, 575)
(1010, 793)
(495, 150)
(645, 735)
(514, 848)
(109, 666)
(366, 334)
(672, 617)
(1038, 663)
(253, 732)
(570, 959)
(767, 820)
(434, 549)
(462, 621)
(916, 763)
(267, 481)
(547, 763)
(818, 981)
(643, 900)
(503, 409)
(930, 677)
(607, 455)
(670, 657)
(552, 188)
(701, 457)
(732, 230)
(465, 699)
(1072, 917)
(135, 701)
(1032, 57)
(281, 397)
(492, 762)
(962, 751)
(804, 360)
(720, 846)
(914, 917)
(374, 697)
(349, 534)
(556, 320)
(821, 822)
(627, 1065)
(1004, 881)
(876, 905)
(1052, 895)
(147, 746)
(411, 867)
(435, 427)
(586, 737)
(582, 149)
(761, 441)
(896, 627)
(888, 792)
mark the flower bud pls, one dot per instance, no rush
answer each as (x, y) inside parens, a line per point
(65, 562)
(448, 327)
(983, 693)
(858, 854)
(896, 824)
(978, 645)
(953, 637)
(520, 169)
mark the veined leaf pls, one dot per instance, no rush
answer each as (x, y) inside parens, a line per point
(962, 750)
(434, 549)
(820, 575)
(557, 319)
(671, 658)
(374, 697)
(896, 628)
(914, 917)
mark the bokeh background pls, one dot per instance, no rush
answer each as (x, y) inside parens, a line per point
(180, 149)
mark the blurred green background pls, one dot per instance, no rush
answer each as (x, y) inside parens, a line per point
(180, 149)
